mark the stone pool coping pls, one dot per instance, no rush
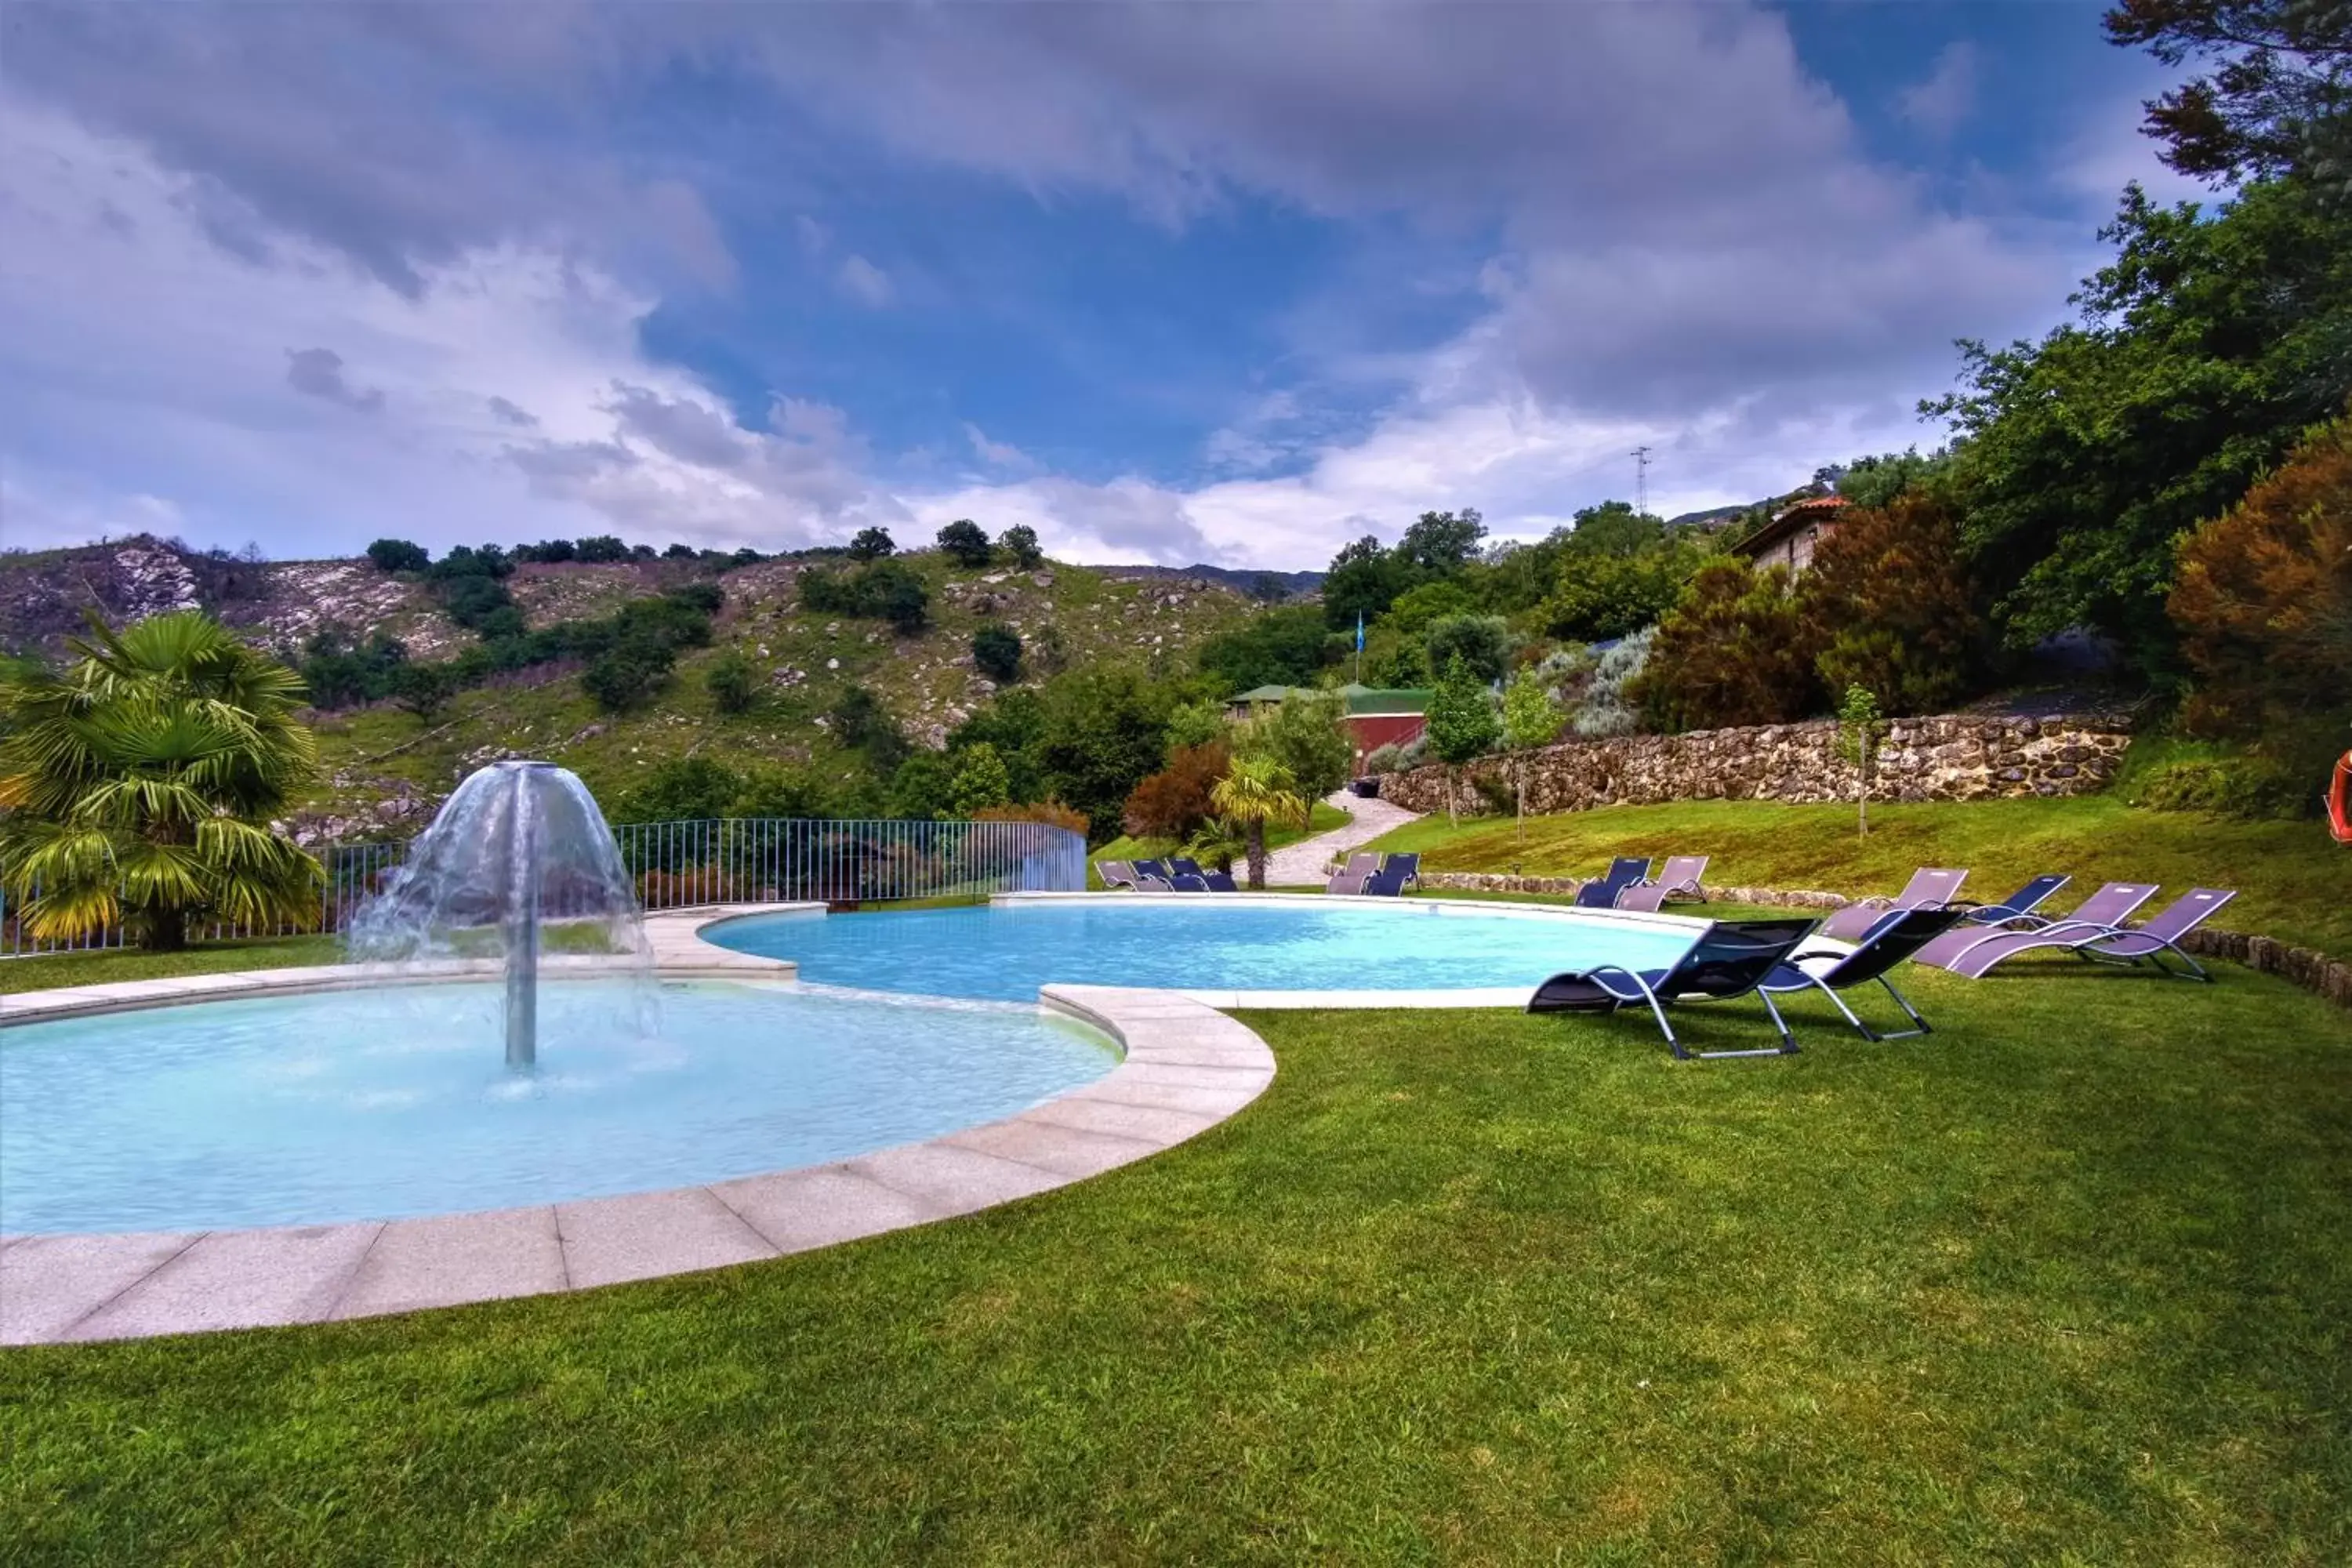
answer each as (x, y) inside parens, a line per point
(1183, 1069)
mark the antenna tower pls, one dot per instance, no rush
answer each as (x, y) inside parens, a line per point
(1642, 481)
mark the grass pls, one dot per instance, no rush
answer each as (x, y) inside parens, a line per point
(206, 958)
(2069, 1281)
(2290, 880)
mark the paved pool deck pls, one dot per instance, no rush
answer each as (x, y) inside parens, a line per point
(1183, 1069)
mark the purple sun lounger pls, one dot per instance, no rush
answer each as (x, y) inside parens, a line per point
(1349, 879)
(2143, 944)
(1731, 958)
(2110, 905)
(1930, 888)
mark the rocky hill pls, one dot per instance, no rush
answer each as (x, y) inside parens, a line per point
(388, 768)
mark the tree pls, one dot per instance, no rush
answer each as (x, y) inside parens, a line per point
(731, 682)
(2279, 102)
(980, 781)
(871, 544)
(1888, 604)
(996, 652)
(1439, 544)
(1104, 731)
(1461, 726)
(1195, 723)
(602, 549)
(1613, 528)
(1531, 718)
(1417, 608)
(1859, 726)
(859, 720)
(1363, 579)
(1306, 732)
(1733, 651)
(1876, 481)
(1174, 802)
(1020, 545)
(1254, 792)
(137, 787)
(1481, 644)
(2206, 347)
(1286, 645)
(398, 556)
(2264, 604)
(424, 690)
(965, 543)
(923, 788)
(627, 674)
(1601, 593)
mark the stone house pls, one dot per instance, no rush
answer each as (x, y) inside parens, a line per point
(1788, 539)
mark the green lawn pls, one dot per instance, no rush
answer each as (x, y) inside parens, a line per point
(2070, 1281)
(2292, 883)
(206, 958)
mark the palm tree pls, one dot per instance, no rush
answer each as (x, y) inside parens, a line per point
(1254, 792)
(136, 787)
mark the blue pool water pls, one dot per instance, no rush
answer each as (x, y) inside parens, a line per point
(376, 1105)
(1004, 953)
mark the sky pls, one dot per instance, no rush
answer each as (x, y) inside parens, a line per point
(1233, 283)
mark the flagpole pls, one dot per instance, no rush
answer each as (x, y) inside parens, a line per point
(1359, 648)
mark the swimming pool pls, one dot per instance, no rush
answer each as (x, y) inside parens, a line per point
(384, 1104)
(1004, 951)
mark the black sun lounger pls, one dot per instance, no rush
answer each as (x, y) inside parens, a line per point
(1898, 937)
(1730, 959)
(1622, 873)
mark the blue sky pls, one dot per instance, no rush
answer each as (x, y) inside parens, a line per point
(1233, 283)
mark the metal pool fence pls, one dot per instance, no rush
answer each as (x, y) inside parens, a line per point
(680, 865)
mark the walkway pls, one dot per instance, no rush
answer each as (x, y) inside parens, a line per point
(1302, 864)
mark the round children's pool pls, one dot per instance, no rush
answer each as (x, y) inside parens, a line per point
(395, 1101)
(1210, 942)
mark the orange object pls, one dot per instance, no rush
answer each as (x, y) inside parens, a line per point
(2339, 800)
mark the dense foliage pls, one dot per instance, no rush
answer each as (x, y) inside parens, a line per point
(965, 542)
(884, 589)
(1174, 802)
(996, 652)
(1287, 645)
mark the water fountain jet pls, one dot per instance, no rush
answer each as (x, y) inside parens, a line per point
(518, 848)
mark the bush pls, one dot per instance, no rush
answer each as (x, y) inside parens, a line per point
(888, 589)
(1889, 606)
(1482, 643)
(979, 782)
(1305, 735)
(603, 549)
(1196, 723)
(1019, 544)
(2263, 602)
(2220, 786)
(628, 674)
(965, 543)
(860, 722)
(424, 690)
(1733, 652)
(872, 544)
(1605, 708)
(996, 653)
(731, 682)
(1496, 791)
(398, 556)
(1601, 595)
(1052, 813)
(1174, 802)
(923, 788)
(548, 551)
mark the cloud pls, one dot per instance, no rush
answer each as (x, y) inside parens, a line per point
(1938, 104)
(686, 428)
(864, 282)
(319, 372)
(997, 454)
(508, 413)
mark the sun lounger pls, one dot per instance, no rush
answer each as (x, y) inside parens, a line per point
(2112, 944)
(1178, 866)
(1731, 958)
(1220, 881)
(1115, 874)
(1928, 889)
(1681, 877)
(1151, 868)
(2017, 906)
(1601, 892)
(1188, 882)
(2110, 905)
(1388, 883)
(1406, 866)
(1645, 897)
(1895, 939)
(1349, 879)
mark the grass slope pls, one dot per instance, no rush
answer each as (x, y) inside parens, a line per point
(206, 958)
(1157, 626)
(2068, 1282)
(2291, 883)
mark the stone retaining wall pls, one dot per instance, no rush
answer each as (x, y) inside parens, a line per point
(1950, 757)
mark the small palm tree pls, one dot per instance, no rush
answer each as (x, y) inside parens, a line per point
(1218, 843)
(1254, 792)
(136, 788)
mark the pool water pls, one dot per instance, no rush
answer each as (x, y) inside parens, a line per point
(1004, 951)
(379, 1105)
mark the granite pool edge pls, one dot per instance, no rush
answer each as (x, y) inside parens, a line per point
(1184, 1068)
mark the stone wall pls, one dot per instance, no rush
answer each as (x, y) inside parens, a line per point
(1950, 757)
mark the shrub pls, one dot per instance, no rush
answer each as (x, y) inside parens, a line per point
(924, 786)
(398, 556)
(1196, 723)
(603, 549)
(860, 722)
(2263, 602)
(1605, 708)
(1481, 644)
(681, 789)
(872, 544)
(996, 652)
(1602, 594)
(1394, 758)
(2244, 786)
(424, 690)
(1174, 802)
(1052, 813)
(547, 550)
(1732, 652)
(1497, 793)
(1019, 544)
(628, 674)
(1889, 606)
(1305, 734)
(887, 590)
(731, 682)
(965, 543)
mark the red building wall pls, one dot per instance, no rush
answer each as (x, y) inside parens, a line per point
(1373, 730)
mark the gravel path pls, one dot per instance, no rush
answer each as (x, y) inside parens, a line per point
(1304, 862)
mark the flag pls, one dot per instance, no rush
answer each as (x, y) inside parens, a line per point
(1359, 631)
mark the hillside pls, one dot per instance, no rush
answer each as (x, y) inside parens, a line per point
(385, 768)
